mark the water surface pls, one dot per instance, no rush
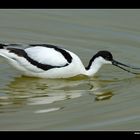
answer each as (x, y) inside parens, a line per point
(108, 101)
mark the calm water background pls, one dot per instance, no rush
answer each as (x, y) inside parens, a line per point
(108, 101)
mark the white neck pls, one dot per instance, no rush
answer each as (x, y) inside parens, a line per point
(96, 65)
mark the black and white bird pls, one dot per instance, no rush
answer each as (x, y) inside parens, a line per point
(50, 61)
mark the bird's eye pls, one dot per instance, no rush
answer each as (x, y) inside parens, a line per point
(108, 57)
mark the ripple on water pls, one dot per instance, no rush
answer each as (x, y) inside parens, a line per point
(35, 91)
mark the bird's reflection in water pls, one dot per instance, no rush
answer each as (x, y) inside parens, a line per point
(34, 91)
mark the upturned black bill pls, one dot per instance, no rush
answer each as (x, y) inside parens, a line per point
(119, 64)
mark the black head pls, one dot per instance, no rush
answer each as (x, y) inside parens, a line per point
(108, 56)
(105, 54)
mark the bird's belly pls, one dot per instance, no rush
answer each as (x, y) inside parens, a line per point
(63, 72)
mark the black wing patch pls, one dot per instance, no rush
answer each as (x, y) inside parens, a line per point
(2, 46)
(62, 51)
(22, 53)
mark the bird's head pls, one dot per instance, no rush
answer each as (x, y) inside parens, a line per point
(105, 57)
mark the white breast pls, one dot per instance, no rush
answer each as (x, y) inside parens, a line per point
(63, 63)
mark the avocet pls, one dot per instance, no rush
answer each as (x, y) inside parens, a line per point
(50, 61)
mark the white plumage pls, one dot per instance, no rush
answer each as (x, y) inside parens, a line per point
(46, 55)
(49, 61)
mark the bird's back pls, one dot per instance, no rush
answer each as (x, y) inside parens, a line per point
(42, 60)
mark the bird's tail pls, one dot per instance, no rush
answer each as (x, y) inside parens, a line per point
(2, 46)
(3, 51)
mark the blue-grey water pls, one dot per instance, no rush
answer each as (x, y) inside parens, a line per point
(108, 101)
